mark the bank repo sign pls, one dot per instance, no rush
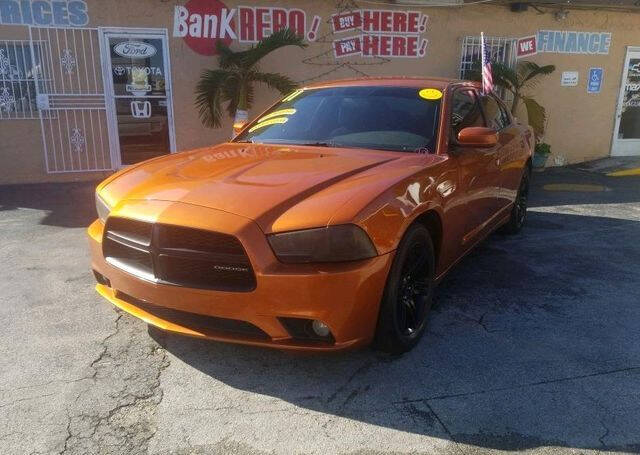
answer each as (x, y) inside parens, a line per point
(202, 22)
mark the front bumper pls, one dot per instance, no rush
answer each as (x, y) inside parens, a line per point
(344, 296)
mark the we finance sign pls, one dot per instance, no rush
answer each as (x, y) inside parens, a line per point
(202, 22)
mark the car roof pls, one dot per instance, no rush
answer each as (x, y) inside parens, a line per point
(394, 81)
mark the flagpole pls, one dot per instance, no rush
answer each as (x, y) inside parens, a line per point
(482, 62)
(487, 76)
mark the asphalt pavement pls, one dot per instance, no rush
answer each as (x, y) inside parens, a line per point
(533, 344)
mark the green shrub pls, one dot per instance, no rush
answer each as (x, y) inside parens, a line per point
(543, 148)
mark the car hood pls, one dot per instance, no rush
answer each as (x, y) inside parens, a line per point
(256, 181)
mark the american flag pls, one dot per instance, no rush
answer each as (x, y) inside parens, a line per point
(487, 76)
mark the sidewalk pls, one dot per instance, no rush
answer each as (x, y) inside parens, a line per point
(618, 166)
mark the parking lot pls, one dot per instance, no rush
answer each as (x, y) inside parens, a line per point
(533, 344)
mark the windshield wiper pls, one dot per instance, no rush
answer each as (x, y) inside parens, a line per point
(319, 144)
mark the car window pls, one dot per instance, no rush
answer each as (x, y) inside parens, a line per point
(505, 113)
(497, 117)
(380, 117)
(465, 111)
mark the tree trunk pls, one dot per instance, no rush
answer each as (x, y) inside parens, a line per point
(242, 115)
(240, 120)
(242, 97)
(516, 101)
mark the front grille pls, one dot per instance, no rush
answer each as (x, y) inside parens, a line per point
(178, 255)
(209, 325)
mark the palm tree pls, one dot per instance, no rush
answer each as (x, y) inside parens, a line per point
(525, 76)
(233, 82)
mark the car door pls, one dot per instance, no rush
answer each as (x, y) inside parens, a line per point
(508, 169)
(477, 167)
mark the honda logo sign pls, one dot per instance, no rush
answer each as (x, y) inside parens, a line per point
(141, 109)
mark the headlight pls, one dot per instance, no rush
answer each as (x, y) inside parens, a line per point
(102, 208)
(346, 242)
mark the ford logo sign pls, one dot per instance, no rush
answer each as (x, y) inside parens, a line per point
(134, 49)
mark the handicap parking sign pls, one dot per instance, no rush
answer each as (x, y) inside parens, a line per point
(594, 83)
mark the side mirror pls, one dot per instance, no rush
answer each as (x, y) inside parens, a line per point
(477, 136)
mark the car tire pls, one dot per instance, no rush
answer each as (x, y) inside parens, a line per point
(519, 210)
(408, 293)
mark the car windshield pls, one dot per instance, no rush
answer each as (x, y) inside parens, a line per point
(385, 118)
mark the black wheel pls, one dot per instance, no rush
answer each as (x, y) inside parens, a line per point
(408, 293)
(519, 210)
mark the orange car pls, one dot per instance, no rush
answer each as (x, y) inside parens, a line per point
(324, 225)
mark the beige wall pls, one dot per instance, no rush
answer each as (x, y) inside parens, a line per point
(580, 124)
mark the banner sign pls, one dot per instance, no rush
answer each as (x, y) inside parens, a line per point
(202, 22)
(348, 46)
(569, 79)
(574, 42)
(59, 13)
(383, 33)
(376, 33)
(347, 21)
(526, 46)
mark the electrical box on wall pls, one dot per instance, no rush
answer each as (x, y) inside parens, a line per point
(519, 7)
(433, 2)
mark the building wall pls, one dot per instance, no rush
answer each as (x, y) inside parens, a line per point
(580, 125)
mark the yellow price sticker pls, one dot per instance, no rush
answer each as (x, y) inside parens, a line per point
(292, 95)
(273, 121)
(430, 94)
(278, 113)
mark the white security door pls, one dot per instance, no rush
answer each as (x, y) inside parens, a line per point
(626, 136)
(138, 87)
(67, 74)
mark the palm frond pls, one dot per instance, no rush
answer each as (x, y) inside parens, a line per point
(503, 76)
(209, 96)
(231, 93)
(530, 70)
(233, 82)
(281, 38)
(280, 82)
(475, 73)
(226, 57)
(537, 115)
(525, 75)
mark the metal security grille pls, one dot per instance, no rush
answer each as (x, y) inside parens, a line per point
(17, 79)
(502, 50)
(70, 99)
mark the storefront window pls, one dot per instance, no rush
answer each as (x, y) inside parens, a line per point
(630, 118)
(138, 71)
(503, 50)
(17, 82)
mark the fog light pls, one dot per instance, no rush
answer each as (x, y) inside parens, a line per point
(101, 279)
(320, 328)
(307, 330)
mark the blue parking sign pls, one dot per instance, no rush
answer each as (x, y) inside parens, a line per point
(594, 83)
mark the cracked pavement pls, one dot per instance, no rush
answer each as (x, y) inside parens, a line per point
(533, 345)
